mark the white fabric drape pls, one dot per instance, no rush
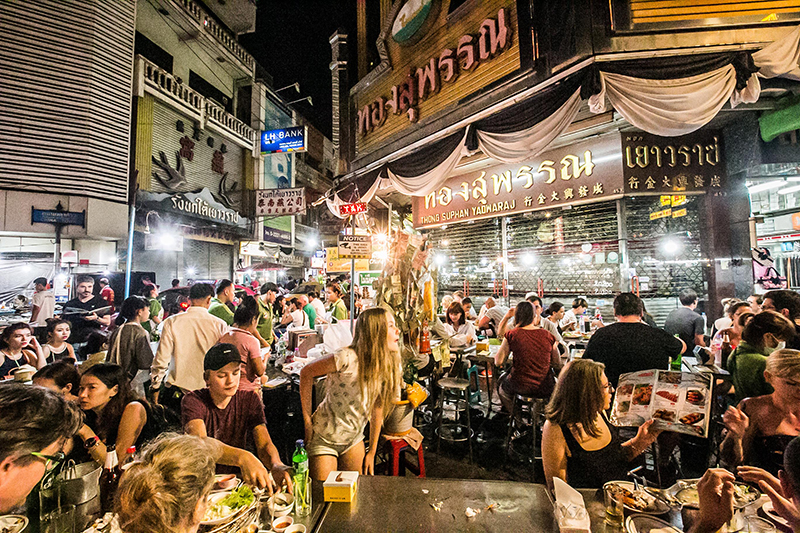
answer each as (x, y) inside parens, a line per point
(667, 107)
(781, 57)
(431, 180)
(334, 203)
(525, 144)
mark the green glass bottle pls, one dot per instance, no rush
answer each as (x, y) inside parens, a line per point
(302, 480)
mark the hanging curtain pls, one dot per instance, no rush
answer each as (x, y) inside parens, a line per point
(423, 171)
(335, 201)
(781, 57)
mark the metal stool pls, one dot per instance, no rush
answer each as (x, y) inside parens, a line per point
(535, 408)
(454, 390)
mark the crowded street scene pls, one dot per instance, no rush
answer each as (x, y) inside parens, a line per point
(407, 266)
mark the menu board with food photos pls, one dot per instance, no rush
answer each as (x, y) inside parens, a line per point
(677, 401)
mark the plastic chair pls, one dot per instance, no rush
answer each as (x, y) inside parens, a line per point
(397, 449)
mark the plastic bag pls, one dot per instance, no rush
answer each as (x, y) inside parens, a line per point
(337, 336)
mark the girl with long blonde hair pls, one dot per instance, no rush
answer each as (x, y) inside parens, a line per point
(362, 381)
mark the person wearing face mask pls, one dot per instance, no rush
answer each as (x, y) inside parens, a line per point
(760, 428)
(767, 332)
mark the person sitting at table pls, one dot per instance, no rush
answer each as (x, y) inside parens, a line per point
(234, 418)
(469, 310)
(337, 308)
(243, 335)
(35, 424)
(579, 445)
(767, 332)
(733, 332)
(760, 428)
(784, 490)
(57, 347)
(490, 317)
(535, 357)
(167, 489)
(129, 345)
(19, 347)
(362, 381)
(295, 317)
(555, 313)
(61, 377)
(457, 328)
(115, 418)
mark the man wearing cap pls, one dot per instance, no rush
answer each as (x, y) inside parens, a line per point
(234, 418)
(219, 305)
(185, 339)
(268, 293)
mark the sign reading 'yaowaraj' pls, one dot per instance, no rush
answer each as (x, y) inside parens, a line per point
(280, 201)
(665, 165)
(584, 172)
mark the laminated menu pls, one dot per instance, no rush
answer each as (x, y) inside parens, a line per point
(677, 401)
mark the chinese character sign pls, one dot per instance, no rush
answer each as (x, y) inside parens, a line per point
(279, 202)
(584, 172)
(352, 209)
(663, 165)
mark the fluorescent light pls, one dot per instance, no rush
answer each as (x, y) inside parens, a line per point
(787, 190)
(765, 186)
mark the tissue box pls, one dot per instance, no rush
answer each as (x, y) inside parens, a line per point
(340, 486)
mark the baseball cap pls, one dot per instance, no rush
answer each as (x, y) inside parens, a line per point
(220, 355)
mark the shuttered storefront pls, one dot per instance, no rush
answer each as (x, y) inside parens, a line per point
(65, 96)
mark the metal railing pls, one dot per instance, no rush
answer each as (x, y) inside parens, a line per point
(222, 35)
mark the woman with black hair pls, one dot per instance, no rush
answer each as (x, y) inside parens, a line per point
(61, 377)
(115, 418)
(19, 347)
(243, 335)
(129, 345)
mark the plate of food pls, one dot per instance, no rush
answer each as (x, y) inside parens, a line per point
(638, 501)
(695, 397)
(642, 394)
(13, 523)
(643, 523)
(685, 492)
(224, 506)
(691, 419)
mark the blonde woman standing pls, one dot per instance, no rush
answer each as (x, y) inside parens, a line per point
(362, 380)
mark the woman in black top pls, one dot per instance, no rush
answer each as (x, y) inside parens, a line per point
(579, 445)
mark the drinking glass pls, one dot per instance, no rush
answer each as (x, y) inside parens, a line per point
(61, 520)
(614, 506)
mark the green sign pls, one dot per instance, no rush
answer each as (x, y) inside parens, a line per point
(365, 279)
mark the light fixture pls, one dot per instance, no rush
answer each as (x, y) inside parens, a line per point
(191, 271)
(440, 260)
(787, 190)
(484, 261)
(528, 259)
(301, 100)
(752, 189)
(296, 86)
(671, 246)
(445, 243)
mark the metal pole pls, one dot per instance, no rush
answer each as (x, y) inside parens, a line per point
(352, 284)
(504, 239)
(57, 254)
(129, 255)
(622, 236)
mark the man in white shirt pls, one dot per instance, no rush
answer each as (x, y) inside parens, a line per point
(491, 315)
(43, 303)
(185, 339)
(570, 320)
(319, 307)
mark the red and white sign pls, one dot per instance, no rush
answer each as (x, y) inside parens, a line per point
(272, 202)
(352, 209)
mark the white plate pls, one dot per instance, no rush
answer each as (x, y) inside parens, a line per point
(14, 523)
(234, 486)
(769, 512)
(644, 523)
(658, 507)
(212, 500)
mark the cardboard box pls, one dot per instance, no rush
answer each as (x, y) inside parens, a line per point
(340, 486)
(297, 336)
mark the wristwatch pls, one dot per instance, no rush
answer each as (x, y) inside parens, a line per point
(91, 442)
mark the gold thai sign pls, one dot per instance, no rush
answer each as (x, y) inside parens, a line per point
(449, 57)
(665, 165)
(581, 173)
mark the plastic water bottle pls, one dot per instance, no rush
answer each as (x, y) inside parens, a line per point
(302, 480)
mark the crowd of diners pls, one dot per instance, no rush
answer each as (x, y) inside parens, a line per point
(205, 381)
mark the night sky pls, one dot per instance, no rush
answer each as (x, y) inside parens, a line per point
(291, 43)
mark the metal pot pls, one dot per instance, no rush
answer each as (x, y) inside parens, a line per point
(79, 484)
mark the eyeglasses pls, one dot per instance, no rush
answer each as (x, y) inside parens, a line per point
(50, 461)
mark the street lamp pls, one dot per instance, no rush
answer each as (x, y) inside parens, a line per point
(300, 100)
(296, 86)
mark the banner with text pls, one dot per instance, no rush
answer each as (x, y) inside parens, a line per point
(274, 202)
(580, 173)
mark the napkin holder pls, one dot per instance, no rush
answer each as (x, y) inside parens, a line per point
(570, 509)
(340, 486)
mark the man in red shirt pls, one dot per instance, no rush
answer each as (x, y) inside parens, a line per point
(107, 293)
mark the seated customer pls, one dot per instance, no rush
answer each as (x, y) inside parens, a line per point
(630, 345)
(35, 424)
(243, 336)
(469, 311)
(760, 428)
(767, 332)
(57, 347)
(732, 333)
(234, 418)
(61, 377)
(579, 445)
(535, 353)
(294, 316)
(115, 418)
(166, 490)
(457, 328)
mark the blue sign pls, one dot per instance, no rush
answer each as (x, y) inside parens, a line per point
(277, 236)
(284, 140)
(51, 216)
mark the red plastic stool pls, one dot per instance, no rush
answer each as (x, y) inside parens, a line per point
(398, 447)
